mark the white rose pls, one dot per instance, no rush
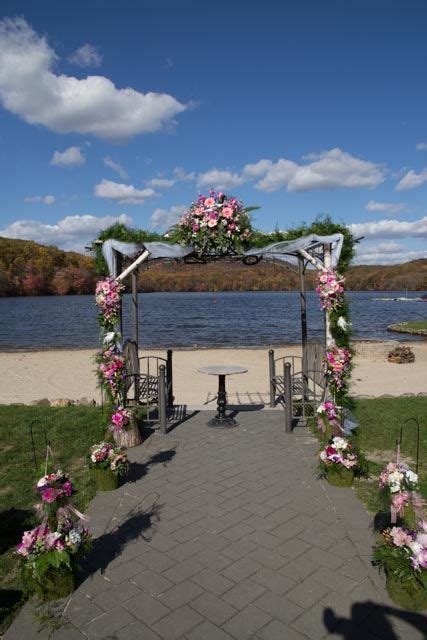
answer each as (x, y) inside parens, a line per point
(411, 477)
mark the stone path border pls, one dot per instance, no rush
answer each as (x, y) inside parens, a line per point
(228, 534)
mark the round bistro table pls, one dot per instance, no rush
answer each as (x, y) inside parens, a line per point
(222, 419)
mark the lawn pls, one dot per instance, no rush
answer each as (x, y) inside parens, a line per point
(379, 428)
(416, 324)
(70, 431)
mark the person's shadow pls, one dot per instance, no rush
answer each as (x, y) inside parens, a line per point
(380, 626)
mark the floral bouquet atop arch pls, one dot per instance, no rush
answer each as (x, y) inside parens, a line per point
(215, 225)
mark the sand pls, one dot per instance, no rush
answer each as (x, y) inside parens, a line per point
(29, 376)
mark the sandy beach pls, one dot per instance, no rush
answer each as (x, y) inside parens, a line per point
(29, 376)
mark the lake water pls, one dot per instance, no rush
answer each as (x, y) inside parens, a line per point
(227, 319)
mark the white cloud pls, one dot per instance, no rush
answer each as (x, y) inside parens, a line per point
(391, 229)
(161, 183)
(331, 169)
(421, 146)
(258, 169)
(115, 166)
(71, 157)
(72, 232)
(385, 253)
(42, 199)
(219, 179)
(122, 193)
(182, 176)
(165, 218)
(30, 89)
(387, 207)
(412, 180)
(86, 56)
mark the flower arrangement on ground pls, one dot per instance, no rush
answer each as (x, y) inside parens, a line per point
(111, 372)
(108, 297)
(337, 368)
(55, 490)
(399, 492)
(328, 419)
(50, 550)
(108, 464)
(330, 289)
(49, 557)
(339, 461)
(402, 554)
(214, 225)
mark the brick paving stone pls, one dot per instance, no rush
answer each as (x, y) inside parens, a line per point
(109, 599)
(145, 608)
(213, 582)
(81, 610)
(278, 606)
(243, 593)
(107, 624)
(213, 559)
(274, 581)
(268, 558)
(239, 549)
(135, 631)
(241, 569)
(213, 608)
(180, 594)
(247, 622)
(238, 531)
(207, 631)
(183, 570)
(307, 593)
(276, 630)
(334, 580)
(177, 623)
(151, 582)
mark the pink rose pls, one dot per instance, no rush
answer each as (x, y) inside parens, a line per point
(196, 227)
(212, 223)
(227, 212)
(209, 202)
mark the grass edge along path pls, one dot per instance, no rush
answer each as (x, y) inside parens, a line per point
(71, 431)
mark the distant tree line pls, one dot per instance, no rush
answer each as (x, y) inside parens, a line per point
(31, 269)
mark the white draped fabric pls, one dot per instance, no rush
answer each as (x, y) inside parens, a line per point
(288, 250)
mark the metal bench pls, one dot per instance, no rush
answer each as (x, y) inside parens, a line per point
(298, 382)
(148, 382)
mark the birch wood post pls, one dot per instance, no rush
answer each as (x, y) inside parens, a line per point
(130, 437)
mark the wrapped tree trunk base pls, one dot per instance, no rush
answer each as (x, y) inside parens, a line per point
(130, 437)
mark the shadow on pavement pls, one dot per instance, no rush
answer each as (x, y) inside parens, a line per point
(370, 620)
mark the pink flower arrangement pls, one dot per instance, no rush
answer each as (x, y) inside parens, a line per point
(328, 416)
(338, 452)
(111, 370)
(108, 295)
(330, 289)
(337, 367)
(411, 544)
(106, 456)
(399, 486)
(214, 224)
(41, 539)
(55, 487)
(120, 419)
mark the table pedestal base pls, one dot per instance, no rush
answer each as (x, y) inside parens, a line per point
(223, 423)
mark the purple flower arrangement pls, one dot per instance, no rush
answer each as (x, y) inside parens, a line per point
(328, 418)
(111, 371)
(106, 456)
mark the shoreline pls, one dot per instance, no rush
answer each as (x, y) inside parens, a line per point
(415, 338)
(28, 376)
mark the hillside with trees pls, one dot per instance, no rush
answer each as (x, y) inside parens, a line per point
(29, 268)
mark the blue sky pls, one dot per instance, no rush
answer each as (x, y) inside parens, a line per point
(130, 109)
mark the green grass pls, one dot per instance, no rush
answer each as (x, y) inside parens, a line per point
(379, 429)
(416, 324)
(70, 431)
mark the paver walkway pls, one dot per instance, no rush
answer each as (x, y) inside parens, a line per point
(227, 534)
